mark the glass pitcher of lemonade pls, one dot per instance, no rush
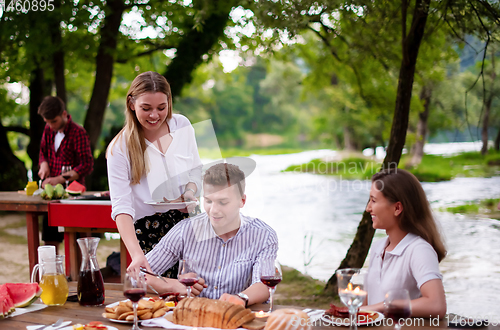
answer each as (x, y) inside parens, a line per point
(53, 282)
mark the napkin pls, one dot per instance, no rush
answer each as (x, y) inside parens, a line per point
(30, 308)
(164, 323)
(34, 327)
(314, 314)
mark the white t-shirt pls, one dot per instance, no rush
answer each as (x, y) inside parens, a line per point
(58, 139)
(168, 174)
(412, 263)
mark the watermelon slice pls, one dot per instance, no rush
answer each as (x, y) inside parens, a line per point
(75, 188)
(23, 294)
(6, 303)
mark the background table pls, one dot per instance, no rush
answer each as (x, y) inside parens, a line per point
(80, 217)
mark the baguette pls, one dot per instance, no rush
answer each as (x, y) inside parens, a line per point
(203, 312)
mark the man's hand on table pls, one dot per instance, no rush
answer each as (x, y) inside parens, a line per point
(198, 287)
(53, 181)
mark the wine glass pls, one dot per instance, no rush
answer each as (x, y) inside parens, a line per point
(64, 172)
(270, 275)
(350, 283)
(397, 305)
(188, 274)
(134, 288)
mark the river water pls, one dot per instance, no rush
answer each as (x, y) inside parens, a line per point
(316, 218)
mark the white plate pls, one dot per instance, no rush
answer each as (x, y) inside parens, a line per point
(71, 328)
(125, 321)
(164, 206)
(339, 321)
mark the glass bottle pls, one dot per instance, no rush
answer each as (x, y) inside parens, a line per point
(90, 283)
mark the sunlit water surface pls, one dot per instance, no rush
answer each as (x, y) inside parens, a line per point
(301, 207)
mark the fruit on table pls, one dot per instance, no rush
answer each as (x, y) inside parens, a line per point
(75, 188)
(24, 294)
(6, 303)
(51, 192)
(59, 191)
(14, 295)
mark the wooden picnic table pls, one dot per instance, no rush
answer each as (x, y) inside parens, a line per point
(72, 311)
(78, 217)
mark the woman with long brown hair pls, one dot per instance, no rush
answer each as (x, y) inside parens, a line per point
(154, 157)
(409, 257)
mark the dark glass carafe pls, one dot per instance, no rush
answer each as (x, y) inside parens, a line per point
(90, 283)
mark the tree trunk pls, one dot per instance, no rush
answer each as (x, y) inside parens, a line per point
(417, 150)
(194, 45)
(349, 143)
(39, 88)
(486, 119)
(360, 246)
(58, 52)
(104, 71)
(487, 107)
(58, 62)
(12, 171)
(497, 141)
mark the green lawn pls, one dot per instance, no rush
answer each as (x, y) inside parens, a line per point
(486, 208)
(431, 169)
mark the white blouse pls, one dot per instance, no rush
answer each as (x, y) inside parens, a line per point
(412, 263)
(168, 174)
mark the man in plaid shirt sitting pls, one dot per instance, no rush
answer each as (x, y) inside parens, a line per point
(63, 143)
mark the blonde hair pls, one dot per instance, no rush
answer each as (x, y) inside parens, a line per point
(398, 185)
(132, 132)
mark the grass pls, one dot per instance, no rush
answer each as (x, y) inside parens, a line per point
(301, 290)
(486, 207)
(432, 168)
(347, 168)
(443, 168)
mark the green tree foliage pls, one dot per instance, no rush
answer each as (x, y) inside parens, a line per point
(82, 42)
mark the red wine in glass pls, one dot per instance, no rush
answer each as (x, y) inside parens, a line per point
(134, 294)
(397, 313)
(270, 281)
(188, 281)
(65, 173)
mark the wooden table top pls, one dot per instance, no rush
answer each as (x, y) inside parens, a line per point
(16, 201)
(79, 314)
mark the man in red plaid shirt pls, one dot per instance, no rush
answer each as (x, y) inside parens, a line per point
(63, 143)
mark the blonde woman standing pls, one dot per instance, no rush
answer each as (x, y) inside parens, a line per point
(408, 258)
(153, 157)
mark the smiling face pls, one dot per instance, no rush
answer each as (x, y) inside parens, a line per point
(223, 205)
(384, 212)
(151, 111)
